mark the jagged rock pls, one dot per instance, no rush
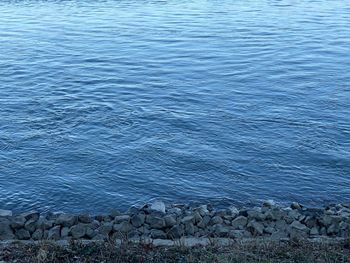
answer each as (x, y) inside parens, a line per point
(54, 233)
(123, 227)
(255, 228)
(204, 222)
(202, 210)
(78, 231)
(65, 232)
(156, 233)
(44, 223)
(32, 215)
(189, 229)
(216, 220)
(175, 211)
(269, 230)
(138, 220)
(6, 232)
(197, 217)
(298, 230)
(221, 231)
(22, 234)
(295, 205)
(333, 229)
(114, 213)
(5, 213)
(38, 234)
(66, 220)
(85, 218)
(170, 220)
(31, 225)
(188, 219)
(175, 232)
(314, 231)
(269, 203)
(279, 234)
(255, 214)
(133, 211)
(240, 222)
(233, 211)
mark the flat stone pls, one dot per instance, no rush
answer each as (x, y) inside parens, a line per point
(159, 234)
(158, 206)
(66, 220)
(240, 222)
(122, 218)
(5, 213)
(216, 220)
(255, 228)
(299, 226)
(18, 222)
(22, 234)
(78, 231)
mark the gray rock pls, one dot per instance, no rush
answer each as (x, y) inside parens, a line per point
(202, 210)
(256, 214)
(269, 230)
(66, 220)
(175, 232)
(44, 223)
(31, 225)
(22, 234)
(123, 227)
(158, 234)
(221, 231)
(233, 211)
(78, 231)
(278, 235)
(314, 231)
(90, 233)
(18, 222)
(158, 206)
(240, 222)
(65, 232)
(6, 232)
(5, 213)
(114, 213)
(256, 228)
(333, 229)
(204, 222)
(295, 205)
(32, 215)
(197, 217)
(216, 220)
(54, 233)
(346, 204)
(298, 226)
(85, 218)
(269, 203)
(38, 234)
(170, 220)
(175, 211)
(105, 228)
(155, 222)
(99, 237)
(122, 218)
(236, 234)
(188, 219)
(138, 220)
(189, 229)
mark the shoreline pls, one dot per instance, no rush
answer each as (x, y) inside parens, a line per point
(168, 223)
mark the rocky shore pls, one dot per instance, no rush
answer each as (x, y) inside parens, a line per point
(158, 221)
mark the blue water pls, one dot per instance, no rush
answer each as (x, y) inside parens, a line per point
(106, 104)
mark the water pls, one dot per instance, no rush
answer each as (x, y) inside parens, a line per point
(106, 104)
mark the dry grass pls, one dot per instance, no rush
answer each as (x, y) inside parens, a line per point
(293, 251)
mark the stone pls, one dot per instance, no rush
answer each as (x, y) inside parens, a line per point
(54, 233)
(333, 229)
(175, 232)
(99, 237)
(38, 234)
(133, 211)
(236, 234)
(123, 227)
(346, 204)
(299, 226)
(18, 222)
(32, 215)
(256, 228)
(158, 234)
(122, 218)
(85, 218)
(188, 219)
(278, 235)
(31, 225)
(44, 223)
(240, 222)
(295, 205)
(216, 220)
(256, 214)
(155, 222)
(197, 217)
(65, 232)
(90, 233)
(269, 203)
(233, 211)
(158, 206)
(221, 231)
(269, 230)
(138, 220)
(189, 229)
(78, 231)
(175, 211)
(5, 213)
(6, 232)
(66, 220)
(170, 220)
(114, 213)
(105, 228)
(202, 210)
(22, 234)
(204, 222)
(314, 231)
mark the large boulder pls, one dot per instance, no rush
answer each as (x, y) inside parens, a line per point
(239, 222)
(66, 220)
(6, 232)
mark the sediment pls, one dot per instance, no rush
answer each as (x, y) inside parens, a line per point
(168, 223)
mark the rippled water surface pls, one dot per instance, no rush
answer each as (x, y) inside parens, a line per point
(105, 104)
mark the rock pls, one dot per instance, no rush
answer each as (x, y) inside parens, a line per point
(299, 226)
(78, 231)
(202, 210)
(84, 218)
(6, 232)
(170, 220)
(236, 234)
(189, 229)
(31, 225)
(18, 222)
(123, 227)
(197, 217)
(298, 230)
(158, 234)
(158, 206)
(314, 231)
(114, 213)
(175, 211)
(122, 218)
(64, 232)
(269, 203)
(333, 229)
(32, 215)
(22, 234)
(256, 214)
(204, 222)
(216, 220)
(240, 222)
(90, 233)
(346, 204)
(38, 234)
(99, 237)
(155, 222)
(5, 213)
(105, 228)
(175, 232)
(256, 228)
(44, 223)
(133, 211)
(54, 233)
(138, 220)
(269, 230)
(221, 231)
(66, 220)
(278, 235)
(295, 205)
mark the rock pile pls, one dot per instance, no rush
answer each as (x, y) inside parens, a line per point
(158, 221)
